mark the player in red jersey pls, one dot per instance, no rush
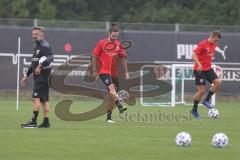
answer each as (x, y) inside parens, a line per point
(202, 55)
(104, 64)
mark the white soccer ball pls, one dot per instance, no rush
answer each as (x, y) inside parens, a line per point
(183, 139)
(42, 59)
(123, 96)
(220, 140)
(213, 113)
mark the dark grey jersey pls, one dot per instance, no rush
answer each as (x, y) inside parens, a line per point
(42, 49)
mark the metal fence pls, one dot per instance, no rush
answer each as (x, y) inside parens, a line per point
(123, 26)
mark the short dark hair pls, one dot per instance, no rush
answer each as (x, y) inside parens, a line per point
(113, 28)
(38, 28)
(216, 33)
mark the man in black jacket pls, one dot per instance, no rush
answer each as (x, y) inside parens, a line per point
(41, 69)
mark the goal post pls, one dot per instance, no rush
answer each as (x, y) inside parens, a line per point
(179, 76)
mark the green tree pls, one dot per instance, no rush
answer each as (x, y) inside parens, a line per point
(151, 11)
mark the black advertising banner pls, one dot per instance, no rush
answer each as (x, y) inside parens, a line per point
(147, 46)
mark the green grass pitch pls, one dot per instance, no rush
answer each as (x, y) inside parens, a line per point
(133, 137)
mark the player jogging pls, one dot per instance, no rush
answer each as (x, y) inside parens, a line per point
(41, 72)
(104, 63)
(202, 55)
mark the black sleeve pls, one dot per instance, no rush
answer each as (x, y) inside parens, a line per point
(29, 72)
(47, 51)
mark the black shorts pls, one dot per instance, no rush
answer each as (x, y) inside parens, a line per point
(201, 77)
(41, 88)
(41, 91)
(108, 79)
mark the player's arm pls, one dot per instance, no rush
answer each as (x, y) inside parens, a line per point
(94, 65)
(123, 56)
(95, 57)
(29, 72)
(125, 67)
(25, 77)
(195, 54)
(47, 51)
(195, 58)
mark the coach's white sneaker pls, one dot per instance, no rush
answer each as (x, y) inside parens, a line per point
(29, 124)
(110, 121)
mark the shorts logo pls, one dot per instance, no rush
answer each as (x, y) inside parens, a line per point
(201, 80)
(106, 81)
(35, 93)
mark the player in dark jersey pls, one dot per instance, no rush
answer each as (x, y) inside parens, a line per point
(41, 69)
(202, 55)
(105, 65)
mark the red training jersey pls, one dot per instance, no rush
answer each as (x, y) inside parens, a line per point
(107, 59)
(205, 52)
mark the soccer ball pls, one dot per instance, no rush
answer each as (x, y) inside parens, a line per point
(213, 113)
(41, 60)
(220, 140)
(123, 96)
(183, 139)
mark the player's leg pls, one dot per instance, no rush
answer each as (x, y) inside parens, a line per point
(107, 80)
(216, 85)
(212, 78)
(45, 123)
(44, 98)
(113, 92)
(198, 96)
(45, 106)
(121, 108)
(36, 107)
(200, 83)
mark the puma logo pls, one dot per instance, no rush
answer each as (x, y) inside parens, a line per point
(219, 50)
